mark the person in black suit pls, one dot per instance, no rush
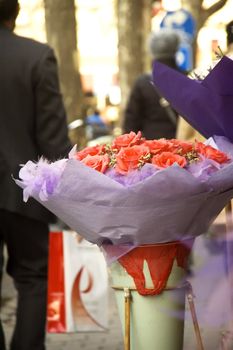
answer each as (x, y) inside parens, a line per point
(33, 124)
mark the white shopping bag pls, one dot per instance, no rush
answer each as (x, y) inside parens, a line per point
(77, 286)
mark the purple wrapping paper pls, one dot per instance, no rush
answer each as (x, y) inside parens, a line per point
(169, 205)
(208, 104)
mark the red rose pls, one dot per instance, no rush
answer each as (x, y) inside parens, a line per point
(97, 162)
(129, 158)
(127, 140)
(92, 151)
(158, 146)
(181, 147)
(166, 159)
(211, 153)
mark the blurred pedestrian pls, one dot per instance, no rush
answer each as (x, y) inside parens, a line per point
(95, 126)
(33, 123)
(147, 110)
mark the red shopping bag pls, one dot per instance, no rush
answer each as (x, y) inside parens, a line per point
(77, 285)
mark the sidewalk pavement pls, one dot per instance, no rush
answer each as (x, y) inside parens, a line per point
(109, 340)
(211, 311)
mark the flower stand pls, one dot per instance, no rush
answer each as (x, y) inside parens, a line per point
(150, 288)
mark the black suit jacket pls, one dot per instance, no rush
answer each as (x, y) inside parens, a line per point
(32, 116)
(145, 113)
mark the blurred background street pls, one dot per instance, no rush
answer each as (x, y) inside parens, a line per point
(102, 62)
(98, 67)
(112, 339)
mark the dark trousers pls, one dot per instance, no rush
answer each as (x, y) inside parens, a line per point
(27, 245)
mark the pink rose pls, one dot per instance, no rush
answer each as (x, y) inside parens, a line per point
(127, 140)
(129, 158)
(92, 151)
(158, 146)
(181, 147)
(97, 162)
(166, 159)
(211, 153)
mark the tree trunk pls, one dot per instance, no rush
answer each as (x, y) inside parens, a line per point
(134, 25)
(61, 32)
(200, 14)
(147, 17)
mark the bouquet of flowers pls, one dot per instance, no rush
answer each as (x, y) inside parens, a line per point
(138, 191)
(135, 191)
